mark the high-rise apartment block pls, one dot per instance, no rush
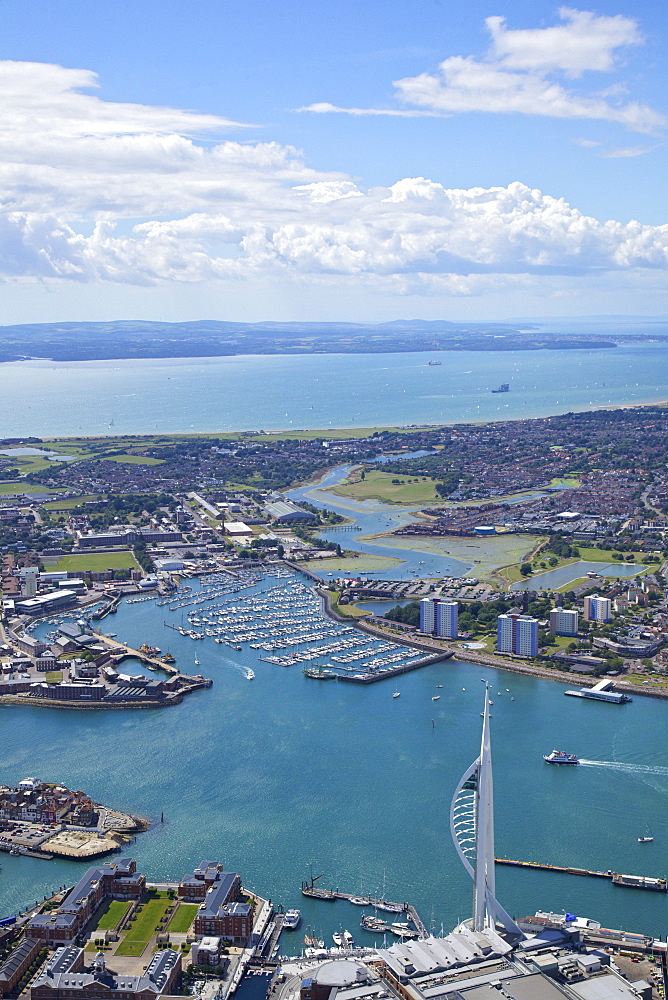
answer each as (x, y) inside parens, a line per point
(563, 621)
(438, 617)
(597, 609)
(517, 634)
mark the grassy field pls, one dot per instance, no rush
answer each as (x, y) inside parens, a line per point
(94, 561)
(183, 918)
(53, 676)
(642, 678)
(134, 459)
(112, 916)
(24, 488)
(594, 554)
(71, 503)
(144, 926)
(388, 487)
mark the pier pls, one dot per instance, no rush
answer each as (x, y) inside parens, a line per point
(315, 892)
(152, 662)
(403, 668)
(626, 881)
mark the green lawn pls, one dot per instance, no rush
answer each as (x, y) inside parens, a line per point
(71, 503)
(24, 488)
(594, 554)
(388, 487)
(183, 918)
(113, 915)
(134, 459)
(53, 676)
(144, 926)
(95, 561)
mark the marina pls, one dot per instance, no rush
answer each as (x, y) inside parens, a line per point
(321, 765)
(282, 618)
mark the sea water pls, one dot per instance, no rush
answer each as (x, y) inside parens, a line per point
(282, 776)
(271, 392)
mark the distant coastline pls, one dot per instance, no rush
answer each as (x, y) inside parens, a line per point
(126, 341)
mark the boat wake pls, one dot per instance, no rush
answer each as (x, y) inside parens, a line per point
(626, 768)
(240, 668)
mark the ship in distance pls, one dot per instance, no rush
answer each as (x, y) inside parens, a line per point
(560, 757)
(504, 387)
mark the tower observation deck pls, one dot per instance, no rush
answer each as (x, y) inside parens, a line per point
(472, 829)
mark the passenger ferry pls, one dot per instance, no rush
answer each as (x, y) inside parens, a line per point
(560, 757)
(291, 919)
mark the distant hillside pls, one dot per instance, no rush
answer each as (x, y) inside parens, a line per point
(211, 338)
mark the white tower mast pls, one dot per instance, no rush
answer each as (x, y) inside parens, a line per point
(472, 829)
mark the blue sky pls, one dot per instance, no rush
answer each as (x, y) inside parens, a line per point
(247, 159)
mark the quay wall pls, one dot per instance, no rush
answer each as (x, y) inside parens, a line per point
(484, 659)
(12, 699)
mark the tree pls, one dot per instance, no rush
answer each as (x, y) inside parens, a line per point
(525, 569)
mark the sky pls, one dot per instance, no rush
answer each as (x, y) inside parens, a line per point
(301, 160)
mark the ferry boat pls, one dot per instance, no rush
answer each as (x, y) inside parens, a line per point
(291, 919)
(560, 757)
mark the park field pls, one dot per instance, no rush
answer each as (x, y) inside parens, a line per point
(388, 487)
(71, 503)
(94, 561)
(9, 488)
(134, 459)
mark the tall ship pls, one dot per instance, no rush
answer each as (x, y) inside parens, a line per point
(560, 757)
(504, 387)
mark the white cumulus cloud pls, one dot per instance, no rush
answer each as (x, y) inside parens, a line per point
(529, 72)
(127, 193)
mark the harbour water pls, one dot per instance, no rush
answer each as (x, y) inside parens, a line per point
(281, 773)
(278, 774)
(45, 398)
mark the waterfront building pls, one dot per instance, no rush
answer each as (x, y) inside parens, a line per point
(447, 613)
(597, 609)
(113, 880)
(517, 634)
(45, 604)
(64, 977)
(220, 913)
(564, 621)
(284, 511)
(193, 888)
(427, 615)
(439, 617)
